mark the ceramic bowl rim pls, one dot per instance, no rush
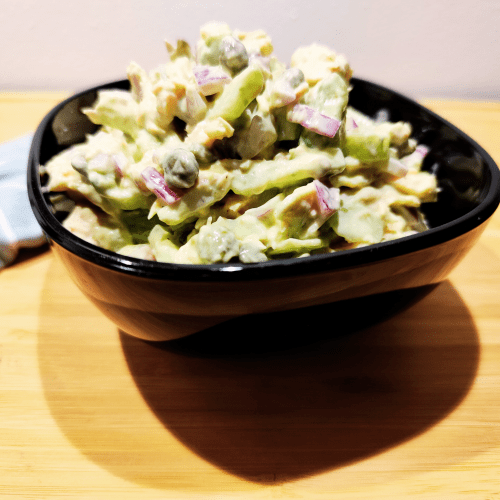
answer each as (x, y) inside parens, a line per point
(288, 267)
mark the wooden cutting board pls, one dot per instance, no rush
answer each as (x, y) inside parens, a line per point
(409, 408)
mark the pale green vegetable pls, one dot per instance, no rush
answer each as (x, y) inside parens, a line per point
(358, 224)
(98, 228)
(258, 176)
(102, 173)
(162, 245)
(299, 213)
(260, 134)
(210, 188)
(329, 97)
(216, 244)
(366, 146)
(297, 246)
(116, 109)
(238, 94)
(286, 130)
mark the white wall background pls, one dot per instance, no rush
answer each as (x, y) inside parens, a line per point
(433, 48)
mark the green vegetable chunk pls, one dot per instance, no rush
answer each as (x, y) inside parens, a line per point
(266, 174)
(365, 147)
(238, 94)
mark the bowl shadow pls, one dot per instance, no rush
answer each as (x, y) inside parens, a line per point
(276, 397)
(266, 399)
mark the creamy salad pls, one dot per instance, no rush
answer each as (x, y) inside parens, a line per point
(224, 153)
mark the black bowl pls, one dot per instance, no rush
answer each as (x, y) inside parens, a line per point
(161, 301)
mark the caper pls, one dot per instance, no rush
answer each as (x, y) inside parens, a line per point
(294, 76)
(180, 168)
(233, 54)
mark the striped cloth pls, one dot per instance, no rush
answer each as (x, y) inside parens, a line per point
(18, 226)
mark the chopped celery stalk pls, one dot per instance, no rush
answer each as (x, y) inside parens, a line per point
(238, 94)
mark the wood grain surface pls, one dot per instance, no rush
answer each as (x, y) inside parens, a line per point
(409, 408)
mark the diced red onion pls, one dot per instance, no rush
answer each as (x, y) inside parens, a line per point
(136, 88)
(313, 120)
(210, 79)
(157, 185)
(396, 168)
(422, 150)
(119, 162)
(264, 214)
(351, 124)
(328, 198)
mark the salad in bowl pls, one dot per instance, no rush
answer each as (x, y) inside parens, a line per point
(224, 153)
